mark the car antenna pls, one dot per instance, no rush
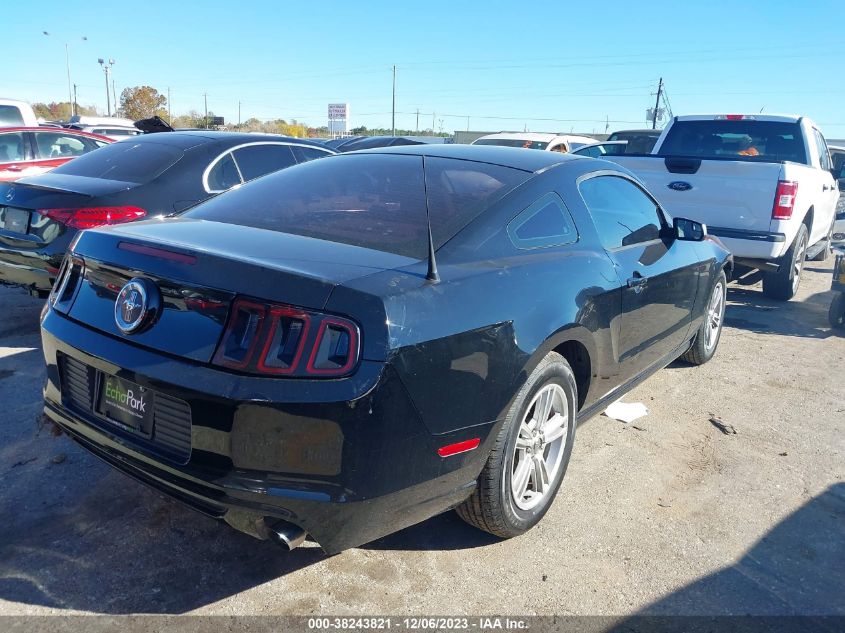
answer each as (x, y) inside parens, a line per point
(431, 275)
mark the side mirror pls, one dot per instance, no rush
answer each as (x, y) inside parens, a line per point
(689, 230)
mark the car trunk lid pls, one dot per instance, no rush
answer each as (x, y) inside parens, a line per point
(199, 267)
(24, 223)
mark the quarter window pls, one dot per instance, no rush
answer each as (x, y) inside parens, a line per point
(224, 175)
(622, 212)
(258, 160)
(544, 223)
(304, 153)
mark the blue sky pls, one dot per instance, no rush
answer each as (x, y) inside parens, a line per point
(544, 66)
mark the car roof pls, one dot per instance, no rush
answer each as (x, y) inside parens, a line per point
(514, 157)
(50, 128)
(638, 131)
(187, 139)
(780, 118)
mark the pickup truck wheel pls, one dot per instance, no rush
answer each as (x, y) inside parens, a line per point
(707, 338)
(836, 314)
(783, 284)
(530, 456)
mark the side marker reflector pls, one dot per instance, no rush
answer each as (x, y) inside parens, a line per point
(460, 447)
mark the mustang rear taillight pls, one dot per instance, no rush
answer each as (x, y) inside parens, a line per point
(273, 339)
(67, 283)
(90, 217)
(784, 199)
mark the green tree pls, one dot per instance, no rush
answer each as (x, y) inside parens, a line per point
(60, 110)
(142, 102)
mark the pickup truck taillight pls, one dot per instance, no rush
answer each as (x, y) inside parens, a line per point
(784, 199)
(275, 339)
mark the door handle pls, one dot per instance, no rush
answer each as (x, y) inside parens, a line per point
(637, 282)
(14, 168)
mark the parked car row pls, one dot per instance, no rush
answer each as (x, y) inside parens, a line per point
(297, 346)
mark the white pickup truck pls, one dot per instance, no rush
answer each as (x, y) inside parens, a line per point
(763, 184)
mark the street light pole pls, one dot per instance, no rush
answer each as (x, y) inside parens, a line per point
(107, 70)
(67, 65)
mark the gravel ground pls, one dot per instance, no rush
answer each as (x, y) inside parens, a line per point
(669, 516)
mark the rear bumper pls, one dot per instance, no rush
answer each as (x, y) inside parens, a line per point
(36, 274)
(749, 244)
(33, 268)
(346, 467)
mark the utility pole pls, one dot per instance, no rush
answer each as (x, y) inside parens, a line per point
(393, 117)
(75, 101)
(467, 123)
(239, 114)
(657, 105)
(418, 120)
(433, 114)
(205, 98)
(169, 116)
(114, 94)
(107, 70)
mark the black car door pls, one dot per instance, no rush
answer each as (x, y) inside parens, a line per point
(657, 274)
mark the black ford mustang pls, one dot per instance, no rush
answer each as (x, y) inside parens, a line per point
(355, 344)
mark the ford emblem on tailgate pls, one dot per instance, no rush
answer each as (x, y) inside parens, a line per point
(679, 185)
(136, 306)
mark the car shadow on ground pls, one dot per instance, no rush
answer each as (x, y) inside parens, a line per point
(748, 309)
(115, 547)
(796, 568)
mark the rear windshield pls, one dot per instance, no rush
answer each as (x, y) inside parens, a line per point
(375, 201)
(764, 141)
(127, 161)
(513, 142)
(638, 143)
(10, 116)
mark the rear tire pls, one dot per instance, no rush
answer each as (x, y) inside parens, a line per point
(836, 313)
(707, 338)
(514, 490)
(783, 285)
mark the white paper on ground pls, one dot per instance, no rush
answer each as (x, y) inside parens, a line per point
(626, 411)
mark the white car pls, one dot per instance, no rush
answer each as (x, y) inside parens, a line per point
(763, 184)
(114, 132)
(14, 113)
(536, 140)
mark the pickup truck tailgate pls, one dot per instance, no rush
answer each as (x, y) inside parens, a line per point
(719, 193)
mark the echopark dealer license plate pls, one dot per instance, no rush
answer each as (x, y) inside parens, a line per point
(128, 404)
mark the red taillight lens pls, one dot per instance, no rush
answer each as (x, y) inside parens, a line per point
(264, 338)
(332, 352)
(90, 217)
(784, 199)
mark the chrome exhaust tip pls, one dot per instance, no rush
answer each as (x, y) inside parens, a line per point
(287, 535)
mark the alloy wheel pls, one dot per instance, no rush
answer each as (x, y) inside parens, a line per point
(715, 314)
(798, 264)
(539, 449)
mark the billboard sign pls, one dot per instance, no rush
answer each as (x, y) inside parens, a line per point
(338, 111)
